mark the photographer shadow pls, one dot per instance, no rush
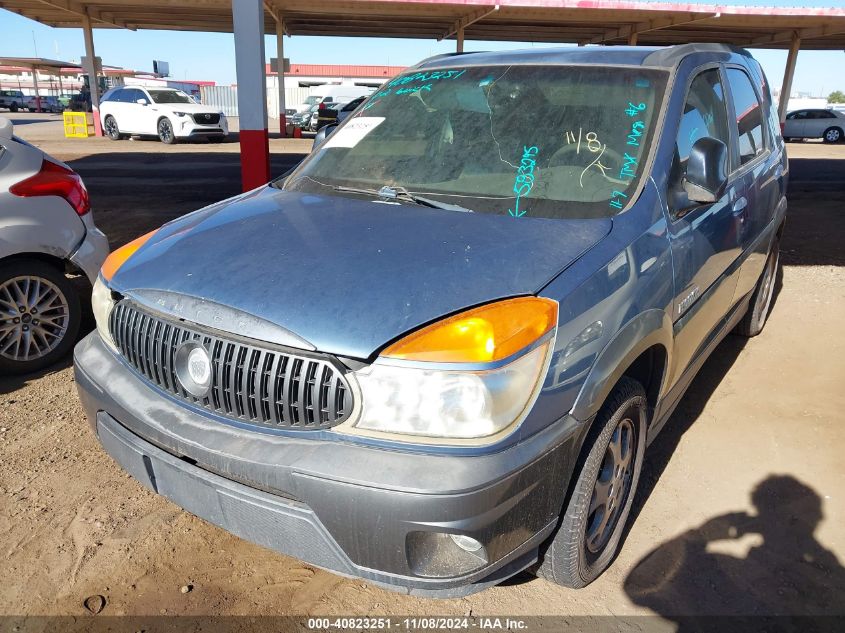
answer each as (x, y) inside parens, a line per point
(783, 570)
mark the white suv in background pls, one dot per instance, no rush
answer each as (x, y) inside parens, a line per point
(167, 113)
(46, 230)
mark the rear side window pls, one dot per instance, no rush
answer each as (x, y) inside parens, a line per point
(749, 116)
(705, 114)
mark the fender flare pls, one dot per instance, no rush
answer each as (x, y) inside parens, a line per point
(652, 327)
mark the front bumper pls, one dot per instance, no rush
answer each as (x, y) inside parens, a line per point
(184, 127)
(361, 511)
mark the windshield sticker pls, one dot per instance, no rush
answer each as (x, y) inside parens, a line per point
(355, 130)
(524, 181)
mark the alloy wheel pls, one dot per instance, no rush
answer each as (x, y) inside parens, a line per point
(165, 131)
(34, 317)
(111, 126)
(832, 136)
(612, 486)
(767, 287)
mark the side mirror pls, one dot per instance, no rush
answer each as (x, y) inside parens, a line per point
(6, 129)
(322, 134)
(707, 173)
(141, 101)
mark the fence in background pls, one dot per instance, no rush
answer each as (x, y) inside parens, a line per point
(226, 98)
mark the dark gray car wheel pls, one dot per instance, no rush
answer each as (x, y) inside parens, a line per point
(39, 315)
(112, 131)
(165, 132)
(761, 301)
(832, 135)
(594, 518)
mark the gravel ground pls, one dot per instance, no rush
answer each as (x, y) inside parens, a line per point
(740, 510)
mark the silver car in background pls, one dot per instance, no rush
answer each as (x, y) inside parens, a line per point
(828, 125)
(46, 231)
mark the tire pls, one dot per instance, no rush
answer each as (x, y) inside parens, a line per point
(761, 300)
(832, 135)
(580, 550)
(13, 107)
(165, 131)
(19, 354)
(111, 129)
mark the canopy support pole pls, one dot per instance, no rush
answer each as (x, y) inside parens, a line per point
(248, 20)
(788, 75)
(91, 70)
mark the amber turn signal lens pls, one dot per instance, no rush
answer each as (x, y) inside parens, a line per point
(489, 333)
(118, 257)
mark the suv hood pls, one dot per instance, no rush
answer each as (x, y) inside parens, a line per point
(349, 275)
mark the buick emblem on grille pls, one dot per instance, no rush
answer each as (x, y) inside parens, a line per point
(193, 368)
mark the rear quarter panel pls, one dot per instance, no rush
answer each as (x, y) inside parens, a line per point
(44, 224)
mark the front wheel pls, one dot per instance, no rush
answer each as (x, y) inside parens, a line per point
(165, 132)
(832, 135)
(594, 519)
(39, 316)
(761, 301)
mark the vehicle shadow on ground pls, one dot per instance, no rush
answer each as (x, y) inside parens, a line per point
(135, 192)
(815, 224)
(765, 563)
(689, 409)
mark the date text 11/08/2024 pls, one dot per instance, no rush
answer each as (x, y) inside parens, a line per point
(425, 623)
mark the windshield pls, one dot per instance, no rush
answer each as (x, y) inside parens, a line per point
(312, 99)
(537, 141)
(169, 96)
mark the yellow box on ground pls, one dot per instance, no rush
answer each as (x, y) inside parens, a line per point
(76, 124)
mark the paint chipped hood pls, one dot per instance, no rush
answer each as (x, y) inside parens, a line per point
(347, 275)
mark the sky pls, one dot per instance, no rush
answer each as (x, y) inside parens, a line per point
(211, 56)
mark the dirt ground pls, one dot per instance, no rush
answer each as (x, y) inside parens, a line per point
(763, 419)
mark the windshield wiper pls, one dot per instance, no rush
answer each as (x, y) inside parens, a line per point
(400, 193)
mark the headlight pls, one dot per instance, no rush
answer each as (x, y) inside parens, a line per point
(101, 296)
(102, 304)
(469, 378)
(180, 113)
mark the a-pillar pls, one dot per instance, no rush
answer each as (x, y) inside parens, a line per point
(248, 19)
(90, 68)
(788, 74)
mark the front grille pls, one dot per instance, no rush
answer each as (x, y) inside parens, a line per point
(208, 118)
(250, 383)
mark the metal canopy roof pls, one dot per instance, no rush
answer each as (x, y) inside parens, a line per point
(581, 21)
(35, 63)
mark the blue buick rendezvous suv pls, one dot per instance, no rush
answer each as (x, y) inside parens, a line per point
(433, 355)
